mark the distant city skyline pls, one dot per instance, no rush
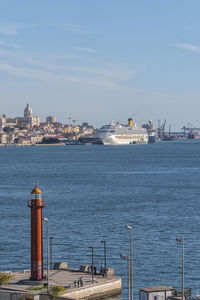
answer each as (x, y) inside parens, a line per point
(98, 61)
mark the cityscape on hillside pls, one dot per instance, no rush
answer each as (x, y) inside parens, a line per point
(29, 130)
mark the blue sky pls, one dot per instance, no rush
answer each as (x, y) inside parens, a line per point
(101, 60)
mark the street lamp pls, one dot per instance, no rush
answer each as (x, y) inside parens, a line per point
(104, 242)
(51, 250)
(131, 258)
(47, 222)
(181, 240)
(92, 263)
(127, 257)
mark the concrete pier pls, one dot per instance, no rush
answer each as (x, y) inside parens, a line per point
(102, 286)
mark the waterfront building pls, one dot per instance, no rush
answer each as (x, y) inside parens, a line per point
(24, 141)
(36, 139)
(7, 138)
(3, 138)
(156, 293)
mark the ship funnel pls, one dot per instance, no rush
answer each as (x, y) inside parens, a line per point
(130, 122)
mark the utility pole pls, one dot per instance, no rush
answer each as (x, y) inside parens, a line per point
(51, 250)
(105, 272)
(181, 240)
(128, 271)
(131, 258)
(92, 263)
(47, 222)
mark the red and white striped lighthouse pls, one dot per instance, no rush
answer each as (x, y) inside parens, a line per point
(36, 204)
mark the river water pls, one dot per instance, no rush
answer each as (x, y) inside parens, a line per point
(92, 192)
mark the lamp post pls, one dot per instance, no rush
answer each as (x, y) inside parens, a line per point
(128, 279)
(104, 242)
(92, 263)
(47, 222)
(51, 250)
(181, 240)
(131, 258)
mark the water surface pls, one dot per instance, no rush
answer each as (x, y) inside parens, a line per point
(92, 192)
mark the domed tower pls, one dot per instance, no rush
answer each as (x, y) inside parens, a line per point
(27, 111)
(36, 204)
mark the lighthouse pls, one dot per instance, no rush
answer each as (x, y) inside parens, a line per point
(36, 204)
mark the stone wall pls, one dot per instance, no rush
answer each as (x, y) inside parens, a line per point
(107, 288)
(112, 287)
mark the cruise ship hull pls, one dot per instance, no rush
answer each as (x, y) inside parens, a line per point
(114, 140)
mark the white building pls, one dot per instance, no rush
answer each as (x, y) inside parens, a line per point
(3, 138)
(156, 293)
(2, 122)
(28, 111)
(29, 118)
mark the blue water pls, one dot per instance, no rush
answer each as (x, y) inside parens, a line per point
(92, 192)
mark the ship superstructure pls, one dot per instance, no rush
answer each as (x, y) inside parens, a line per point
(119, 134)
(151, 130)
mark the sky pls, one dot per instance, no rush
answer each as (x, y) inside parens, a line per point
(101, 60)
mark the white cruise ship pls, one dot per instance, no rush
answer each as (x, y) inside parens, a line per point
(119, 134)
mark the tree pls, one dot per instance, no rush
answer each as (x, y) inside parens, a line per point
(5, 278)
(55, 291)
(8, 129)
(50, 140)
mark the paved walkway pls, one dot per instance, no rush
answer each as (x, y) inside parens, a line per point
(66, 278)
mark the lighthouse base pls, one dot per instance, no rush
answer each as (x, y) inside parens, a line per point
(36, 271)
(32, 282)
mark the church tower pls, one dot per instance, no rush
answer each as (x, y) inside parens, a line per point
(27, 111)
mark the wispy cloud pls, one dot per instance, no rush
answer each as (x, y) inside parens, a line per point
(85, 49)
(14, 29)
(67, 27)
(9, 29)
(13, 53)
(23, 72)
(189, 47)
(9, 45)
(110, 76)
(115, 73)
(57, 67)
(74, 28)
(42, 75)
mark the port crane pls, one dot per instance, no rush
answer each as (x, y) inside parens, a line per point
(161, 129)
(191, 131)
(190, 127)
